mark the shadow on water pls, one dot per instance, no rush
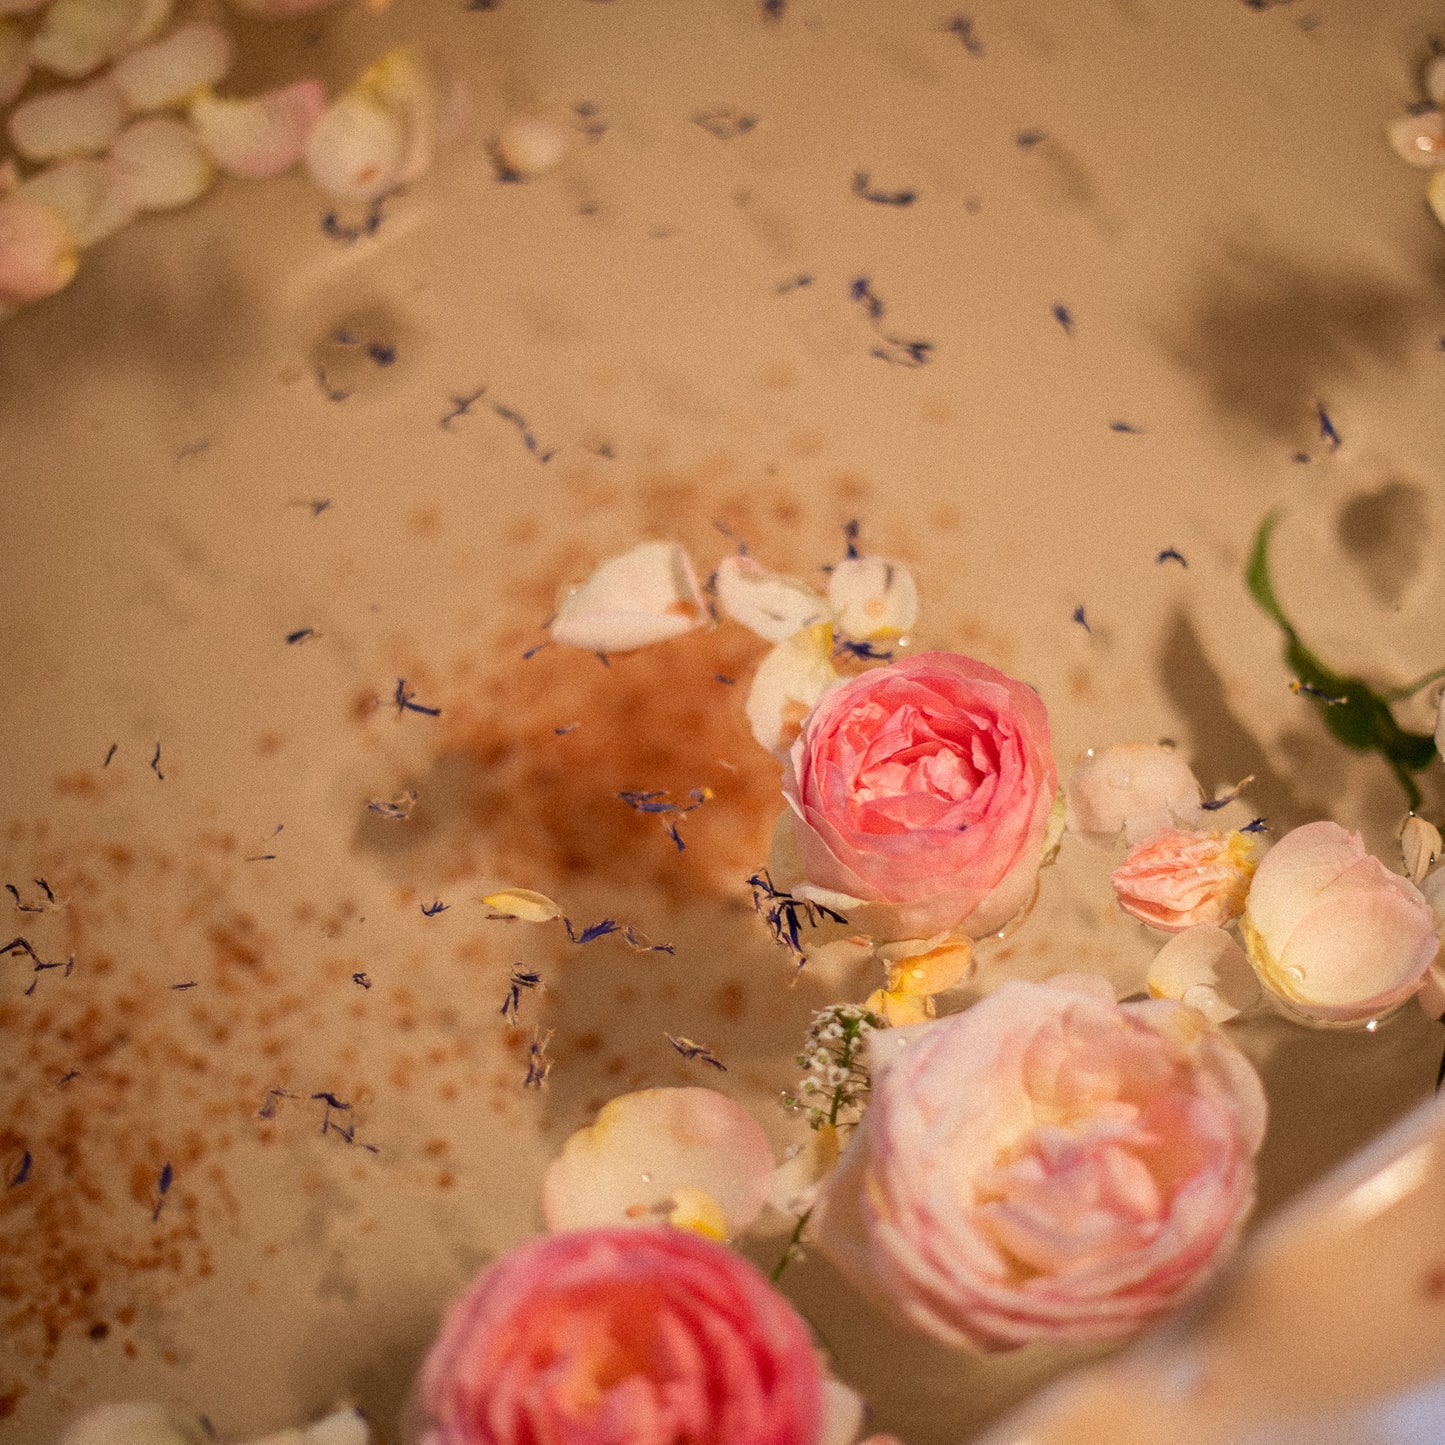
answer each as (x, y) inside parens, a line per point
(1269, 337)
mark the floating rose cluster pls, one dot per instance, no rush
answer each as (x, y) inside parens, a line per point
(1047, 1164)
(124, 118)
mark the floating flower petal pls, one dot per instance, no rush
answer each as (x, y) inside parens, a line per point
(380, 134)
(162, 163)
(72, 121)
(1419, 139)
(87, 195)
(772, 605)
(37, 251)
(1420, 846)
(523, 903)
(1205, 968)
(646, 595)
(1332, 933)
(787, 685)
(167, 71)
(262, 135)
(873, 599)
(1133, 788)
(530, 145)
(78, 36)
(644, 1148)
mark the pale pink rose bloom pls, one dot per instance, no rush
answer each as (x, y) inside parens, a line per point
(621, 1336)
(1332, 933)
(1177, 878)
(922, 790)
(1047, 1165)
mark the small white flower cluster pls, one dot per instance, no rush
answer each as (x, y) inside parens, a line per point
(833, 1090)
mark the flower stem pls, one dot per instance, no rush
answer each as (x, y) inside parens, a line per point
(791, 1248)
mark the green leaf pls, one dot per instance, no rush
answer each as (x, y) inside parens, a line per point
(1352, 711)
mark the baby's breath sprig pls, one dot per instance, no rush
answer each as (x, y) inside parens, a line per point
(832, 1091)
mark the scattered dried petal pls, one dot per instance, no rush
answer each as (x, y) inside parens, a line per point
(1205, 968)
(74, 120)
(522, 903)
(37, 251)
(644, 1148)
(162, 163)
(788, 683)
(772, 605)
(262, 135)
(872, 598)
(644, 596)
(167, 71)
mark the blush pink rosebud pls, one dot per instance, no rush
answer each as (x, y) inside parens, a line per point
(1178, 878)
(620, 1336)
(1332, 933)
(1047, 1165)
(921, 794)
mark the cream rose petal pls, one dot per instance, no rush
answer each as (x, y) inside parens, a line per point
(787, 684)
(166, 71)
(648, 594)
(1419, 139)
(91, 200)
(531, 145)
(768, 603)
(522, 903)
(71, 121)
(872, 598)
(1420, 847)
(1205, 968)
(134, 1422)
(647, 1148)
(162, 163)
(1133, 788)
(37, 250)
(262, 135)
(79, 36)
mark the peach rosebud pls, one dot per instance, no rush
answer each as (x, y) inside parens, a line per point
(1047, 1165)
(1178, 878)
(617, 1336)
(1332, 933)
(920, 796)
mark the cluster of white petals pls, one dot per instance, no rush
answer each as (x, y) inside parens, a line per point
(114, 115)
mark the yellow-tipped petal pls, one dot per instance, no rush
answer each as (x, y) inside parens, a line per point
(522, 903)
(696, 1209)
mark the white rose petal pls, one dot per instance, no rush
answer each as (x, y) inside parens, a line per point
(379, 135)
(522, 903)
(842, 1414)
(37, 250)
(72, 121)
(646, 595)
(1133, 788)
(135, 1422)
(788, 683)
(797, 1179)
(772, 605)
(646, 1148)
(78, 36)
(263, 135)
(531, 146)
(872, 598)
(1205, 968)
(1420, 846)
(167, 71)
(89, 197)
(162, 163)
(1419, 139)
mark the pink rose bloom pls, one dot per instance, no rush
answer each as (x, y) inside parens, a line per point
(1332, 933)
(1047, 1165)
(622, 1336)
(1176, 878)
(923, 790)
